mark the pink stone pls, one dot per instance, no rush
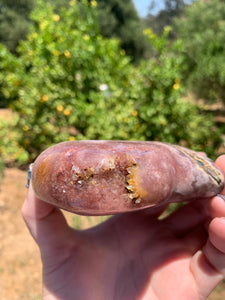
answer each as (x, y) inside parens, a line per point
(109, 177)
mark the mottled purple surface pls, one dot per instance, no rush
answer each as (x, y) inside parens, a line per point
(108, 177)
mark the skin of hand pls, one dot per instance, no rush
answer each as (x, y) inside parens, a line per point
(133, 255)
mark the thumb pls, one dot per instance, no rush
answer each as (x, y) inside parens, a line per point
(46, 223)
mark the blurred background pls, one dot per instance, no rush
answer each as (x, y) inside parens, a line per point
(116, 69)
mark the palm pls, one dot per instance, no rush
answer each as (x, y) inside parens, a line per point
(122, 257)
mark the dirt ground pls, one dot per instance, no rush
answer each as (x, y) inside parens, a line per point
(20, 267)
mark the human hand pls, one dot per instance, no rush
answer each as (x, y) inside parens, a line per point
(132, 255)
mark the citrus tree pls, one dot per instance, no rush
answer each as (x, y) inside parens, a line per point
(163, 113)
(75, 83)
(72, 83)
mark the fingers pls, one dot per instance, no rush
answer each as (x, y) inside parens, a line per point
(195, 213)
(46, 223)
(216, 212)
(205, 275)
(216, 207)
(208, 265)
(217, 233)
(215, 247)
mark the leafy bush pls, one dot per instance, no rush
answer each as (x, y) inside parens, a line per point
(75, 84)
(74, 81)
(9, 83)
(202, 32)
(10, 150)
(164, 115)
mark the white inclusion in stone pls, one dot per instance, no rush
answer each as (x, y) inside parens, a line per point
(138, 200)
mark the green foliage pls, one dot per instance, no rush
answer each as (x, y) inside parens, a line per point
(14, 21)
(10, 150)
(116, 18)
(76, 84)
(119, 18)
(9, 82)
(202, 32)
(164, 115)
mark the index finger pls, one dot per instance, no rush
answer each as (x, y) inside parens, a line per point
(46, 223)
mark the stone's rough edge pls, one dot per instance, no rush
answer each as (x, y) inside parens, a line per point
(133, 189)
(205, 163)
